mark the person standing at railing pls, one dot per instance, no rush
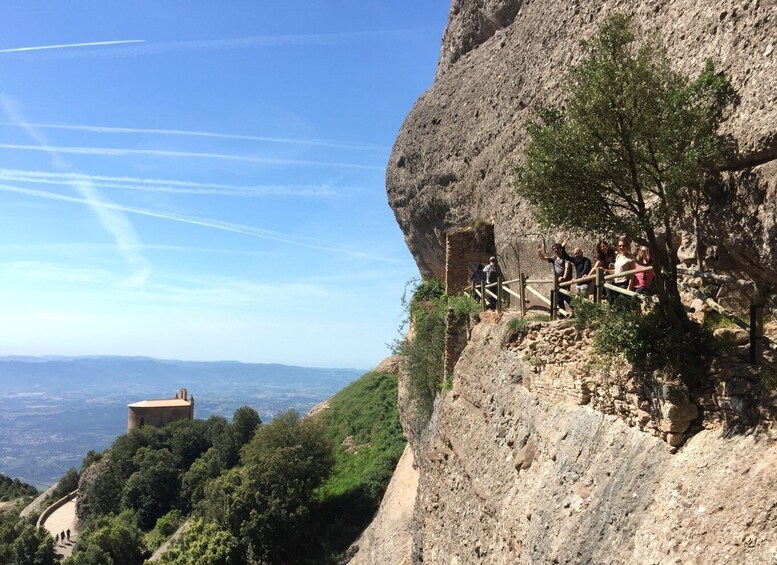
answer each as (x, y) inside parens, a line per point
(644, 280)
(582, 266)
(604, 257)
(562, 268)
(623, 262)
(491, 274)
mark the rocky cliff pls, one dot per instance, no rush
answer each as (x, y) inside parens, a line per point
(533, 458)
(536, 455)
(452, 163)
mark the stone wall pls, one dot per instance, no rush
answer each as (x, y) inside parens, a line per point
(564, 369)
(138, 417)
(465, 249)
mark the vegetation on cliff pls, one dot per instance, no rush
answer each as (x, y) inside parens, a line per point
(423, 350)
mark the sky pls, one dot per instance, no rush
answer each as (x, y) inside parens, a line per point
(205, 180)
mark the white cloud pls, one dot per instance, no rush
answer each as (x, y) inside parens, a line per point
(110, 217)
(165, 185)
(204, 222)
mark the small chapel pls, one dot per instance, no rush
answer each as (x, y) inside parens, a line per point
(157, 413)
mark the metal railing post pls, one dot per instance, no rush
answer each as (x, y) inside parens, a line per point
(554, 298)
(482, 295)
(522, 293)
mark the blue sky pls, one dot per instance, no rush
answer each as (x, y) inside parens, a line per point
(205, 180)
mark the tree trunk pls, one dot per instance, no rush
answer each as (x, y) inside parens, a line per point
(697, 235)
(665, 269)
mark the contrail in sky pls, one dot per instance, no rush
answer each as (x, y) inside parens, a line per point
(193, 133)
(70, 45)
(167, 186)
(204, 222)
(120, 151)
(119, 49)
(112, 220)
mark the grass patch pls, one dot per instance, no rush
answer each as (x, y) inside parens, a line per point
(366, 411)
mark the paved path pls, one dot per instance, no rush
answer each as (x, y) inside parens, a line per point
(62, 519)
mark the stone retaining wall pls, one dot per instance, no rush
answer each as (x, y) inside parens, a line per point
(54, 507)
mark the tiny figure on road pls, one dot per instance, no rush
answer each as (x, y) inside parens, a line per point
(68, 534)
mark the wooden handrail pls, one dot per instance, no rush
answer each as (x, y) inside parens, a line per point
(628, 273)
(620, 290)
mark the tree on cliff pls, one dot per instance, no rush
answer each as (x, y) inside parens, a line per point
(629, 151)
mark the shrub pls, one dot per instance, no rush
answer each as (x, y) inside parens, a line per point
(646, 337)
(463, 305)
(517, 324)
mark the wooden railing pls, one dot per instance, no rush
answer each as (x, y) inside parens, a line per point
(522, 285)
(519, 288)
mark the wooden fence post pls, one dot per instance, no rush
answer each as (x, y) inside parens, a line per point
(598, 288)
(482, 295)
(554, 298)
(499, 292)
(522, 294)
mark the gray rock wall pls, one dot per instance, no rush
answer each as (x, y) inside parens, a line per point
(453, 160)
(511, 475)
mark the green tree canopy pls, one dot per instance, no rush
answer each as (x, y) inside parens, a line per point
(111, 540)
(244, 424)
(266, 503)
(630, 148)
(32, 547)
(204, 543)
(153, 488)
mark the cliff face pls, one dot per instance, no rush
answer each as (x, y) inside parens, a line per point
(534, 462)
(453, 160)
(534, 456)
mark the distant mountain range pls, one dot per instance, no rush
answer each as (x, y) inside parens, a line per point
(54, 409)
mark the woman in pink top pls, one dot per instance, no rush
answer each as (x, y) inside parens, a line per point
(644, 279)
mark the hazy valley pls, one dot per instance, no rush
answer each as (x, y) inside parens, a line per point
(54, 410)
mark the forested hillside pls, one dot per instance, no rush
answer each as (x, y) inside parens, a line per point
(295, 490)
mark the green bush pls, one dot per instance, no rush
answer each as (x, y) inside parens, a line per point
(463, 305)
(517, 324)
(165, 527)
(424, 354)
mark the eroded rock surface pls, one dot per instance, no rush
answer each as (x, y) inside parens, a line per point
(516, 473)
(453, 160)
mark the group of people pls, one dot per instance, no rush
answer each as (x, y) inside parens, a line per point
(61, 537)
(610, 261)
(577, 266)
